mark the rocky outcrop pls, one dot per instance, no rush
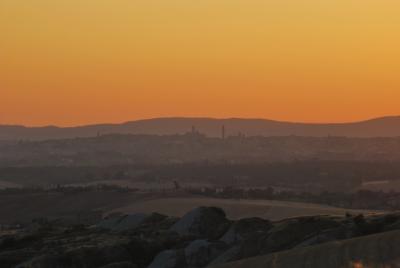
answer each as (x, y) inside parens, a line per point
(85, 256)
(201, 238)
(123, 223)
(228, 256)
(169, 259)
(203, 222)
(243, 228)
(199, 253)
(120, 265)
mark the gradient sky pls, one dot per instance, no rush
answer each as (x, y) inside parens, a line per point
(71, 62)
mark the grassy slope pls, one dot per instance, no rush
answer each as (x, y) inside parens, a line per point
(380, 250)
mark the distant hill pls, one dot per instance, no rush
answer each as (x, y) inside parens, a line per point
(379, 127)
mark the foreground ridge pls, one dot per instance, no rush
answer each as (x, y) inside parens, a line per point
(203, 237)
(379, 250)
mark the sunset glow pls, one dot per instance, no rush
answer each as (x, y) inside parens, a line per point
(71, 62)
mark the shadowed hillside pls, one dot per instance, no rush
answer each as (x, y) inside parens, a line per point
(379, 250)
(380, 127)
(202, 237)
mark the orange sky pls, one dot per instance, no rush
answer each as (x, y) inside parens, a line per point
(70, 62)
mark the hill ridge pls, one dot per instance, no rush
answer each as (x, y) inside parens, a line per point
(388, 126)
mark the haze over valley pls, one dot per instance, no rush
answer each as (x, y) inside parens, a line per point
(379, 127)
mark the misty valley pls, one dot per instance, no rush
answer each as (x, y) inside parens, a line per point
(150, 200)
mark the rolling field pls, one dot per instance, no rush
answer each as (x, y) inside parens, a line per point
(235, 209)
(25, 207)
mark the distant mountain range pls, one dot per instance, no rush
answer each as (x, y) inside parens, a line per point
(379, 127)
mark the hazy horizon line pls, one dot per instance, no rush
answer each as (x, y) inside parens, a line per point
(197, 118)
